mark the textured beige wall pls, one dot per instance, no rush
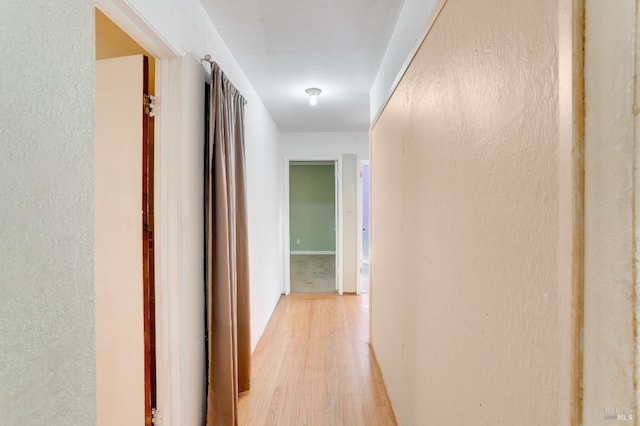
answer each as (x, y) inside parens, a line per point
(465, 207)
(47, 347)
(609, 335)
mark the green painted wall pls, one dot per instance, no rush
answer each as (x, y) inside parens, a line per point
(312, 207)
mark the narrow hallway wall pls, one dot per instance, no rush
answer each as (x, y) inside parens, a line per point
(47, 281)
(465, 211)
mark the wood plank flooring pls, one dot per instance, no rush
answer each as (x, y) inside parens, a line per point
(313, 366)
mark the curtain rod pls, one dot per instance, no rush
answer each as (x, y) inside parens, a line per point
(207, 58)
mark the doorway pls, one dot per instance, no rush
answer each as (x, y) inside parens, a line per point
(313, 227)
(124, 188)
(364, 220)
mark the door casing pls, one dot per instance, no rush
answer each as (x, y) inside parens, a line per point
(168, 365)
(339, 233)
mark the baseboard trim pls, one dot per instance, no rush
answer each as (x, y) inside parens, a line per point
(312, 252)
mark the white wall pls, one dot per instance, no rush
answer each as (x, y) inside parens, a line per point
(188, 335)
(324, 144)
(414, 20)
(47, 314)
(333, 145)
(266, 239)
(465, 277)
(610, 290)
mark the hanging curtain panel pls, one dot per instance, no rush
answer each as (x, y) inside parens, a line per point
(227, 263)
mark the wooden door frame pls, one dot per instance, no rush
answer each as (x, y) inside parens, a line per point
(571, 252)
(148, 287)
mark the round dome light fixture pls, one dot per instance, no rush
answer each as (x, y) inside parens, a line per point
(313, 93)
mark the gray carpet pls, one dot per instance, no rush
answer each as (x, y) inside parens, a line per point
(313, 273)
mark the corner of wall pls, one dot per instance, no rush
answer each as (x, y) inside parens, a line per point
(414, 21)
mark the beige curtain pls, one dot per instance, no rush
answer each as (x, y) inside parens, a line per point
(227, 264)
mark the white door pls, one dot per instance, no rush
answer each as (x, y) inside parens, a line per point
(119, 264)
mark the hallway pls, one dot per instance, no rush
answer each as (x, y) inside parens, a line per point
(314, 366)
(503, 144)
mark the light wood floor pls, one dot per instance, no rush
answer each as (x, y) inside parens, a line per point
(313, 366)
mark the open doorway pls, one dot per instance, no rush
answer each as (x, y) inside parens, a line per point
(313, 218)
(124, 188)
(364, 220)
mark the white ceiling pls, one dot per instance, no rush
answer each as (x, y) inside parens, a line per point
(286, 46)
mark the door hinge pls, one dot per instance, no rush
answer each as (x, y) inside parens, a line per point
(151, 104)
(155, 415)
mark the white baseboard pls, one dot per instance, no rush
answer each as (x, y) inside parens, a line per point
(312, 252)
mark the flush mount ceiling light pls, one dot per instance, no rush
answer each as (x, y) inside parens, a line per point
(313, 93)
